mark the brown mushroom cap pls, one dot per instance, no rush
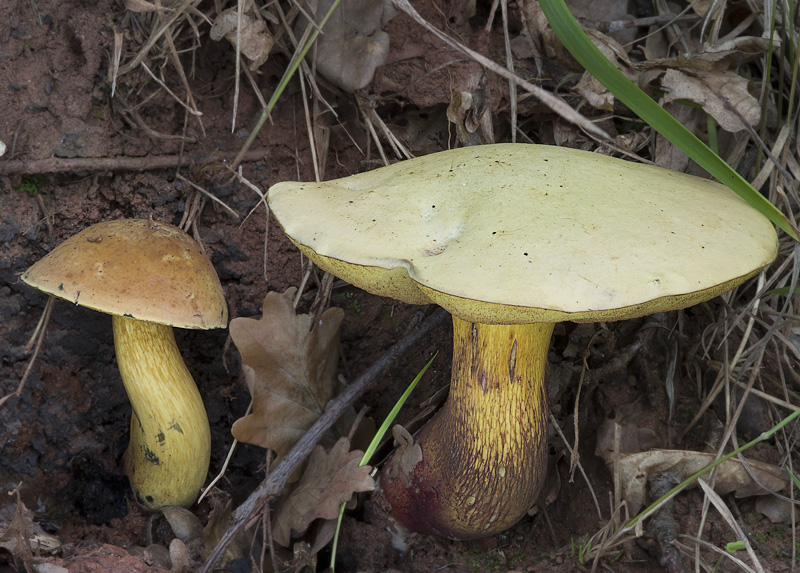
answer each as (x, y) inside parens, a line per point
(140, 269)
(515, 234)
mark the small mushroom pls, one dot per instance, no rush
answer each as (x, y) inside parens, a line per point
(512, 239)
(150, 277)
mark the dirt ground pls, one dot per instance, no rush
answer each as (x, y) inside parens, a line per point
(64, 436)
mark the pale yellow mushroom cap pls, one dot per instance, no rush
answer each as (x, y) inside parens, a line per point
(515, 233)
(144, 270)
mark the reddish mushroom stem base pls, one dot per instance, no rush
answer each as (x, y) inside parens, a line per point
(482, 459)
(170, 446)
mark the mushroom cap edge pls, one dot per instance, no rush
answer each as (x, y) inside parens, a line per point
(705, 239)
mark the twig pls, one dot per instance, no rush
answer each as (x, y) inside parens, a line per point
(274, 482)
(574, 455)
(62, 165)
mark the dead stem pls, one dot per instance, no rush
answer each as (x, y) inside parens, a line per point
(574, 456)
(63, 165)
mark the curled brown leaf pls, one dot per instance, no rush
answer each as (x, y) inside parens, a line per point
(290, 365)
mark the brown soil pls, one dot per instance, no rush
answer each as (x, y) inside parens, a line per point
(63, 437)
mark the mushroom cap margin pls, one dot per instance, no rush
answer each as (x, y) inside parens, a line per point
(516, 233)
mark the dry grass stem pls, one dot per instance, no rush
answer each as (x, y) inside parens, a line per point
(729, 519)
(575, 459)
(41, 328)
(367, 108)
(224, 467)
(208, 194)
(551, 101)
(721, 551)
(512, 86)
(262, 200)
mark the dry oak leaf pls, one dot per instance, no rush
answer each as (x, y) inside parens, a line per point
(732, 476)
(353, 44)
(290, 369)
(723, 95)
(329, 480)
(634, 466)
(20, 536)
(701, 78)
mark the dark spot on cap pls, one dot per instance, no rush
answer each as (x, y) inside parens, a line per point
(151, 457)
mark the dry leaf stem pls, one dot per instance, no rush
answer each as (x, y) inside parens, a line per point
(274, 482)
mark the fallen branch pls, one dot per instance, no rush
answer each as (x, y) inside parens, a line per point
(63, 165)
(275, 481)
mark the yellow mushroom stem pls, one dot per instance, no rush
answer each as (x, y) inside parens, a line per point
(170, 445)
(483, 456)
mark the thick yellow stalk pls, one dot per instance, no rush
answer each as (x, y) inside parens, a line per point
(170, 445)
(484, 453)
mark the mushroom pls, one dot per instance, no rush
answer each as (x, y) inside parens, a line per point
(149, 276)
(512, 239)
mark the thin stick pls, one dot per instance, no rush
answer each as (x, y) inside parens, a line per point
(214, 198)
(61, 165)
(275, 481)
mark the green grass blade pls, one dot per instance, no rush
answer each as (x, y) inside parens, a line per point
(764, 436)
(581, 47)
(783, 291)
(734, 546)
(288, 73)
(373, 445)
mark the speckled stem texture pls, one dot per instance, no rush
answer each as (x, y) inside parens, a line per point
(170, 446)
(483, 454)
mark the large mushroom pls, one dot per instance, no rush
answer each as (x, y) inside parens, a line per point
(149, 276)
(512, 239)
